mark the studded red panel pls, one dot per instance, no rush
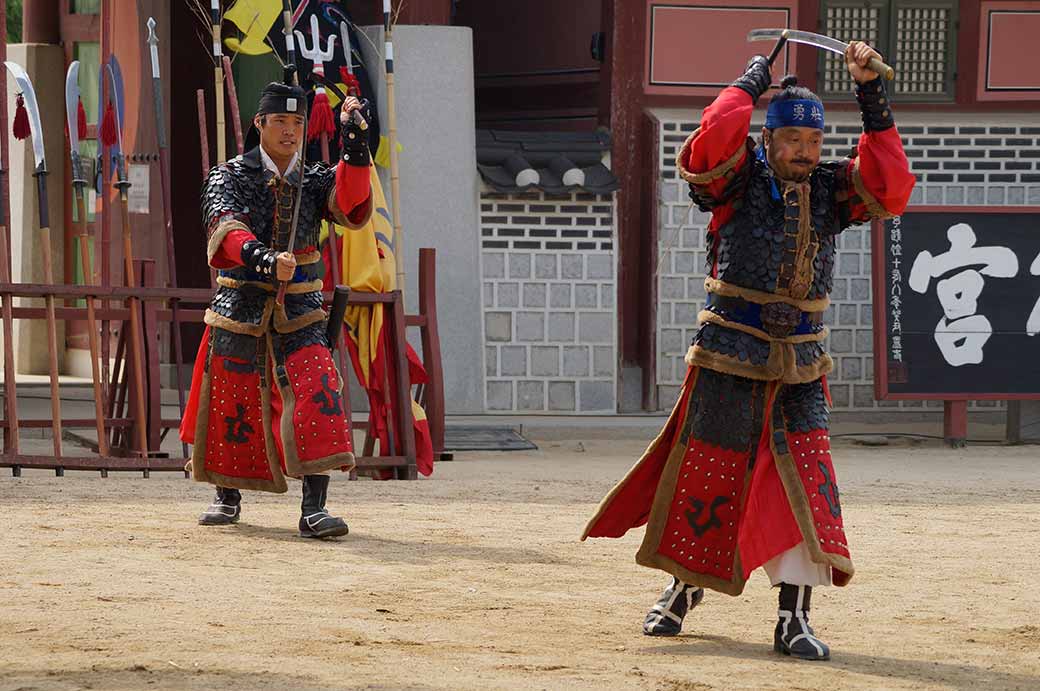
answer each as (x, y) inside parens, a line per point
(319, 418)
(235, 438)
(812, 458)
(701, 531)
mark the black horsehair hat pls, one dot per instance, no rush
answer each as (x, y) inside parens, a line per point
(282, 98)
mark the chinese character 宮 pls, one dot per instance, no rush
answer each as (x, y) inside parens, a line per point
(1033, 323)
(961, 333)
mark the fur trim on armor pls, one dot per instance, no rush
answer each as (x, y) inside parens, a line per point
(255, 330)
(216, 238)
(714, 285)
(715, 173)
(343, 219)
(291, 289)
(873, 206)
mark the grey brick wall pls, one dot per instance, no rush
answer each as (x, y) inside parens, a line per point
(548, 270)
(958, 158)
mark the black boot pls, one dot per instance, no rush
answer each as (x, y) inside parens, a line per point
(665, 618)
(315, 521)
(225, 509)
(793, 635)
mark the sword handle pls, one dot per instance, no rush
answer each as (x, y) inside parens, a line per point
(881, 68)
(780, 43)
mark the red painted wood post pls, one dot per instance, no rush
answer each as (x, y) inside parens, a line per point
(955, 423)
(405, 428)
(152, 347)
(431, 345)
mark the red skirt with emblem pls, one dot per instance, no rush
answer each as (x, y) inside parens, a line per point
(741, 473)
(259, 413)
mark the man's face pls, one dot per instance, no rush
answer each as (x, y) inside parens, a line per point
(280, 133)
(793, 152)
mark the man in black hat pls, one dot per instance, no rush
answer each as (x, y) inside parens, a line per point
(266, 398)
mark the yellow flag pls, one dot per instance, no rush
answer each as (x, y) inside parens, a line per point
(254, 18)
(382, 158)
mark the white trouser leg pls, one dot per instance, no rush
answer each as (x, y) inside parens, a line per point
(796, 567)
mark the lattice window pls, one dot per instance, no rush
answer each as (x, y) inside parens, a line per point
(922, 49)
(847, 23)
(917, 37)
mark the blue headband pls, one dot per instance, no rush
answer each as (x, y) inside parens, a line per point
(795, 112)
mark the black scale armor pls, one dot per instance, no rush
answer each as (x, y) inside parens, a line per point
(244, 190)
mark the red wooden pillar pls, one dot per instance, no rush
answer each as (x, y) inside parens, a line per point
(955, 423)
(637, 234)
(41, 22)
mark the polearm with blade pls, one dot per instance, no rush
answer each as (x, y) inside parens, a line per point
(291, 65)
(134, 342)
(395, 175)
(79, 195)
(164, 177)
(31, 106)
(218, 80)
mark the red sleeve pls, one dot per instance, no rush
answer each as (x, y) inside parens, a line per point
(717, 148)
(881, 174)
(229, 254)
(353, 189)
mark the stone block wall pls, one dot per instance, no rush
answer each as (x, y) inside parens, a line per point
(548, 270)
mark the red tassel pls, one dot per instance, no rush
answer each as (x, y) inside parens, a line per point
(109, 135)
(322, 120)
(81, 121)
(350, 81)
(21, 120)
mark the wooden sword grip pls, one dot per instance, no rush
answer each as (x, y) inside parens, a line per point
(881, 68)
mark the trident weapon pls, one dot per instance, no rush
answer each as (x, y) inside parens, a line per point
(33, 110)
(290, 53)
(318, 57)
(164, 177)
(79, 194)
(135, 340)
(818, 41)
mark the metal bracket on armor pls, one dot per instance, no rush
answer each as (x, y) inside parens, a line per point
(874, 207)
(355, 145)
(258, 257)
(874, 106)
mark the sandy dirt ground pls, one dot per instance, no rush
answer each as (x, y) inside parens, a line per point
(476, 579)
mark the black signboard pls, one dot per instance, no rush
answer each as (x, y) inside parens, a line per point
(957, 303)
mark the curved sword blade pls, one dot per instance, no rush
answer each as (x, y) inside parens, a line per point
(117, 153)
(117, 95)
(33, 109)
(795, 36)
(72, 103)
